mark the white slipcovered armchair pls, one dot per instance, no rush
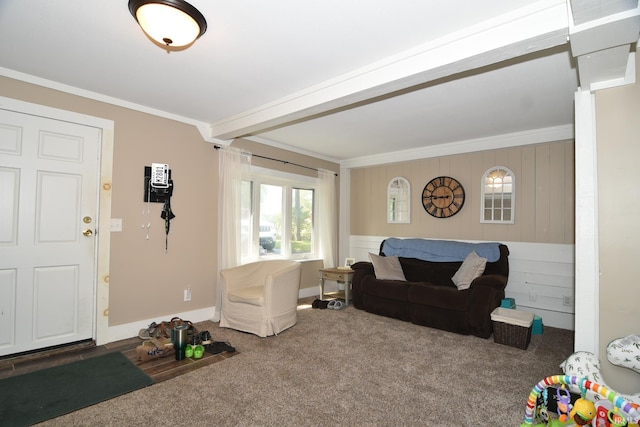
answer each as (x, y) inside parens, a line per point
(260, 297)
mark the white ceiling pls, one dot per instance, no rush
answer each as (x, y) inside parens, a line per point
(340, 80)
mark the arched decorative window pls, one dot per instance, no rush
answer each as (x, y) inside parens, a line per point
(399, 201)
(498, 196)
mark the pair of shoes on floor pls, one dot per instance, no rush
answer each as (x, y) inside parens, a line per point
(332, 305)
(318, 303)
(336, 305)
(203, 338)
(194, 351)
(218, 347)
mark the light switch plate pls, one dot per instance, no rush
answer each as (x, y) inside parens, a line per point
(116, 224)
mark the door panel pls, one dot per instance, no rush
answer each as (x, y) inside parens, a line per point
(58, 208)
(55, 300)
(9, 194)
(49, 173)
(8, 286)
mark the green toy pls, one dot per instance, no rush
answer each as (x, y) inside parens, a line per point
(583, 411)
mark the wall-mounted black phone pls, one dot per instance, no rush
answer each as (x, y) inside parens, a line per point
(158, 185)
(158, 188)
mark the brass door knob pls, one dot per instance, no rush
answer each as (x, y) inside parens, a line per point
(88, 232)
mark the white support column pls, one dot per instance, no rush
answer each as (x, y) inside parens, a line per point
(587, 289)
(344, 229)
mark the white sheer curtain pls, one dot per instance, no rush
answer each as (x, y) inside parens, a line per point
(234, 167)
(327, 217)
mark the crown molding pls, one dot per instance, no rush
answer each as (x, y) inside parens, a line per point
(535, 136)
(203, 127)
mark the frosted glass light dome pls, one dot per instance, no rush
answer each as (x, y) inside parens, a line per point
(173, 23)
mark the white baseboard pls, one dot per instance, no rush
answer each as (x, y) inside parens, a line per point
(551, 318)
(128, 330)
(313, 291)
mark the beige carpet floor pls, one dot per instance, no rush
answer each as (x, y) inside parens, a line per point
(345, 368)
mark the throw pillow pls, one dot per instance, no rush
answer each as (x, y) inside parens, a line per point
(387, 267)
(472, 267)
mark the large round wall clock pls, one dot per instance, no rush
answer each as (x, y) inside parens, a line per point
(443, 197)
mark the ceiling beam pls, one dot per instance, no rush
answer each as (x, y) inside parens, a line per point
(603, 44)
(583, 11)
(539, 26)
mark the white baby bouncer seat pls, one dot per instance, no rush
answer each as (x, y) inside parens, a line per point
(624, 352)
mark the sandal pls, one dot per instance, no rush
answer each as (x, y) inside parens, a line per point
(147, 334)
(218, 347)
(198, 352)
(336, 305)
(188, 351)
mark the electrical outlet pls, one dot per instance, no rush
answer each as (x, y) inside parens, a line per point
(566, 300)
(187, 294)
(533, 297)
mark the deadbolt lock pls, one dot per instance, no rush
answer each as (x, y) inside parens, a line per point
(87, 220)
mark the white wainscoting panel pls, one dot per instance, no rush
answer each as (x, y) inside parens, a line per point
(542, 281)
(541, 277)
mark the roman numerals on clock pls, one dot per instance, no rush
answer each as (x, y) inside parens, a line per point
(443, 197)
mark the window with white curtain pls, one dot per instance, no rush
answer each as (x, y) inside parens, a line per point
(498, 196)
(278, 216)
(398, 201)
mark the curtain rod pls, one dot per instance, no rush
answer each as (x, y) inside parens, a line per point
(217, 147)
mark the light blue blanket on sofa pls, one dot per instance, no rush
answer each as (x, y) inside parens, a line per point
(439, 250)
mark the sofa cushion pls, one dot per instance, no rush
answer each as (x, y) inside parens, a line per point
(438, 273)
(445, 297)
(387, 267)
(389, 289)
(472, 267)
(253, 295)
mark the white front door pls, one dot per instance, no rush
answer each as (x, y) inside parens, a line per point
(49, 173)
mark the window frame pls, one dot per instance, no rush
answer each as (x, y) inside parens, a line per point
(406, 193)
(502, 209)
(288, 181)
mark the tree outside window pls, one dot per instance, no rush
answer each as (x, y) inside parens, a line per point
(280, 216)
(302, 221)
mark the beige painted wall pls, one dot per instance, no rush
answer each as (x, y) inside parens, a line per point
(544, 212)
(618, 132)
(145, 282)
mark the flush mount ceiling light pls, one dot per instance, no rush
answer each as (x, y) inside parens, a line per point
(171, 23)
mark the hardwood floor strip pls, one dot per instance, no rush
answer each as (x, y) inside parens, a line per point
(159, 370)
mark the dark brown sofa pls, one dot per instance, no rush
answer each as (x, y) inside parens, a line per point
(428, 297)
